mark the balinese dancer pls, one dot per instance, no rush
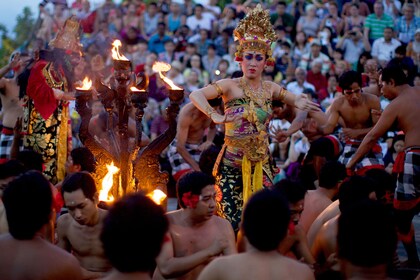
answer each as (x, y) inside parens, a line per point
(243, 163)
(46, 113)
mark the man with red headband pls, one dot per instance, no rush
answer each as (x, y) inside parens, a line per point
(46, 112)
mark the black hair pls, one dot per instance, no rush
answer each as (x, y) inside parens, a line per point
(282, 3)
(293, 191)
(84, 157)
(28, 203)
(80, 180)
(395, 73)
(208, 159)
(401, 50)
(384, 182)
(237, 74)
(133, 232)
(354, 189)
(367, 234)
(331, 173)
(360, 67)
(265, 219)
(348, 78)
(31, 160)
(11, 168)
(215, 102)
(211, 46)
(192, 182)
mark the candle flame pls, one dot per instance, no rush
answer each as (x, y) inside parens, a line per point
(87, 84)
(116, 55)
(107, 183)
(164, 67)
(157, 196)
(134, 89)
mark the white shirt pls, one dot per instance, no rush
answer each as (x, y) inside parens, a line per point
(384, 51)
(295, 88)
(205, 22)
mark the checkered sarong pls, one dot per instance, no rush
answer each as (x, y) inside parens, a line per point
(407, 192)
(6, 139)
(373, 159)
(177, 162)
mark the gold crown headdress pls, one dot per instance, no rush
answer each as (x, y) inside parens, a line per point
(255, 32)
(68, 37)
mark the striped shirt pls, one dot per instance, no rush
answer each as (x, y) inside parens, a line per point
(377, 25)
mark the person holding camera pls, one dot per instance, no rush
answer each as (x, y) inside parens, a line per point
(354, 44)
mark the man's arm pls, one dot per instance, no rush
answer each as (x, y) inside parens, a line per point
(209, 137)
(172, 267)
(62, 227)
(298, 101)
(183, 126)
(213, 271)
(332, 120)
(384, 123)
(231, 246)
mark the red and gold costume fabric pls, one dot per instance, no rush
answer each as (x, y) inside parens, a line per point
(46, 119)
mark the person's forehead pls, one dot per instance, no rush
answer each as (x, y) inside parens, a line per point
(253, 53)
(208, 190)
(74, 198)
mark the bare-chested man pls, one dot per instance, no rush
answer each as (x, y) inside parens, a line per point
(355, 108)
(79, 230)
(11, 104)
(324, 248)
(24, 253)
(196, 235)
(265, 224)
(403, 110)
(330, 178)
(184, 152)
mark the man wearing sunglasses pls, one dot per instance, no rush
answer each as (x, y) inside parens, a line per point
(353, 111)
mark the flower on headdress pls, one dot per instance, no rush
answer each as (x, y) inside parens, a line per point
(190, 199)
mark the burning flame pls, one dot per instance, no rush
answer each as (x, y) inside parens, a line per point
(107, 183)
(116, 55)
(157, 196)
(87, 84)
(164, 67)
(134, 89)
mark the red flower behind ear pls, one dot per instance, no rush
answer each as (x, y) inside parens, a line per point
(190, 199)
(237, 58)
(69, 52)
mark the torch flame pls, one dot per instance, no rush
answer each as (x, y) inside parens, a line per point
(116, 55)
(164, 67)
(87, 84)
(136, 89)
(157, 196)
(107, 183)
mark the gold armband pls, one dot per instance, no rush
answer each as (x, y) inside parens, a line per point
(218, 89)
(209, 111)
(282, 94)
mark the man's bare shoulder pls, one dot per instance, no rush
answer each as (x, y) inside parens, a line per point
(64, 220)
(174, 217)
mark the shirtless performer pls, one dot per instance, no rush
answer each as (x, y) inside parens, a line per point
(79, 230)
(130, 248)
(403, 110)
(261, 261)
(196, 236)
(331, 176)
(24, 253)
(355, 108)
(11, 104)
(184, 152)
